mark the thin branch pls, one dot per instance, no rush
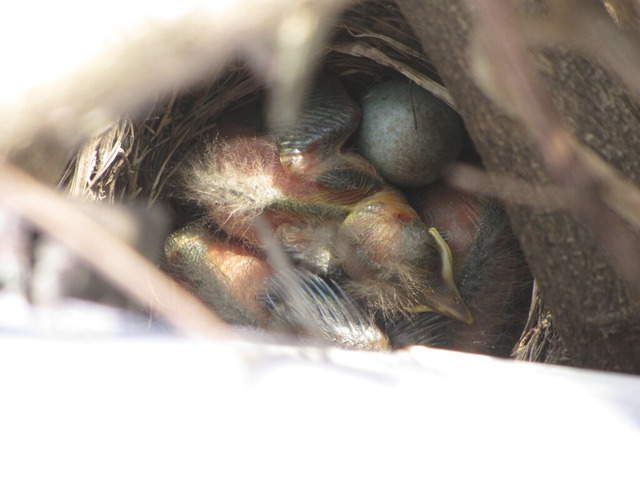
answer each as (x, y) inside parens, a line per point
(363, 50)
(108, 255)
(512, 190)
(149, 57)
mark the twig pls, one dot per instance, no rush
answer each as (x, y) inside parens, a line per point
(149, 57)
(512, 190)
(107, 254)
(360, 49)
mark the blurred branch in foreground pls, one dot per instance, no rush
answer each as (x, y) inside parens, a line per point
(139, 56)
(107, 254)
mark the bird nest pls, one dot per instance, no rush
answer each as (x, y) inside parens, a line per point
(139, 156)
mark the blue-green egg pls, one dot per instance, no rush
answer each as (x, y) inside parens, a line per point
(408, 134)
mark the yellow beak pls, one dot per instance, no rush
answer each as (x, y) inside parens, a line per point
(445, 298)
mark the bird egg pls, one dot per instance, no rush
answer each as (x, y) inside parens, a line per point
(408, 134)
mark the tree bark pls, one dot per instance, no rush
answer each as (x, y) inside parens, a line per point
(596, 311)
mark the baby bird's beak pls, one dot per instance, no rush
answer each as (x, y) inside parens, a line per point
(386, 247)
(443, 296)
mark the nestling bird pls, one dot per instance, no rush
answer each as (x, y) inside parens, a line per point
(245, 290)
(489, 269)
(330, 210)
